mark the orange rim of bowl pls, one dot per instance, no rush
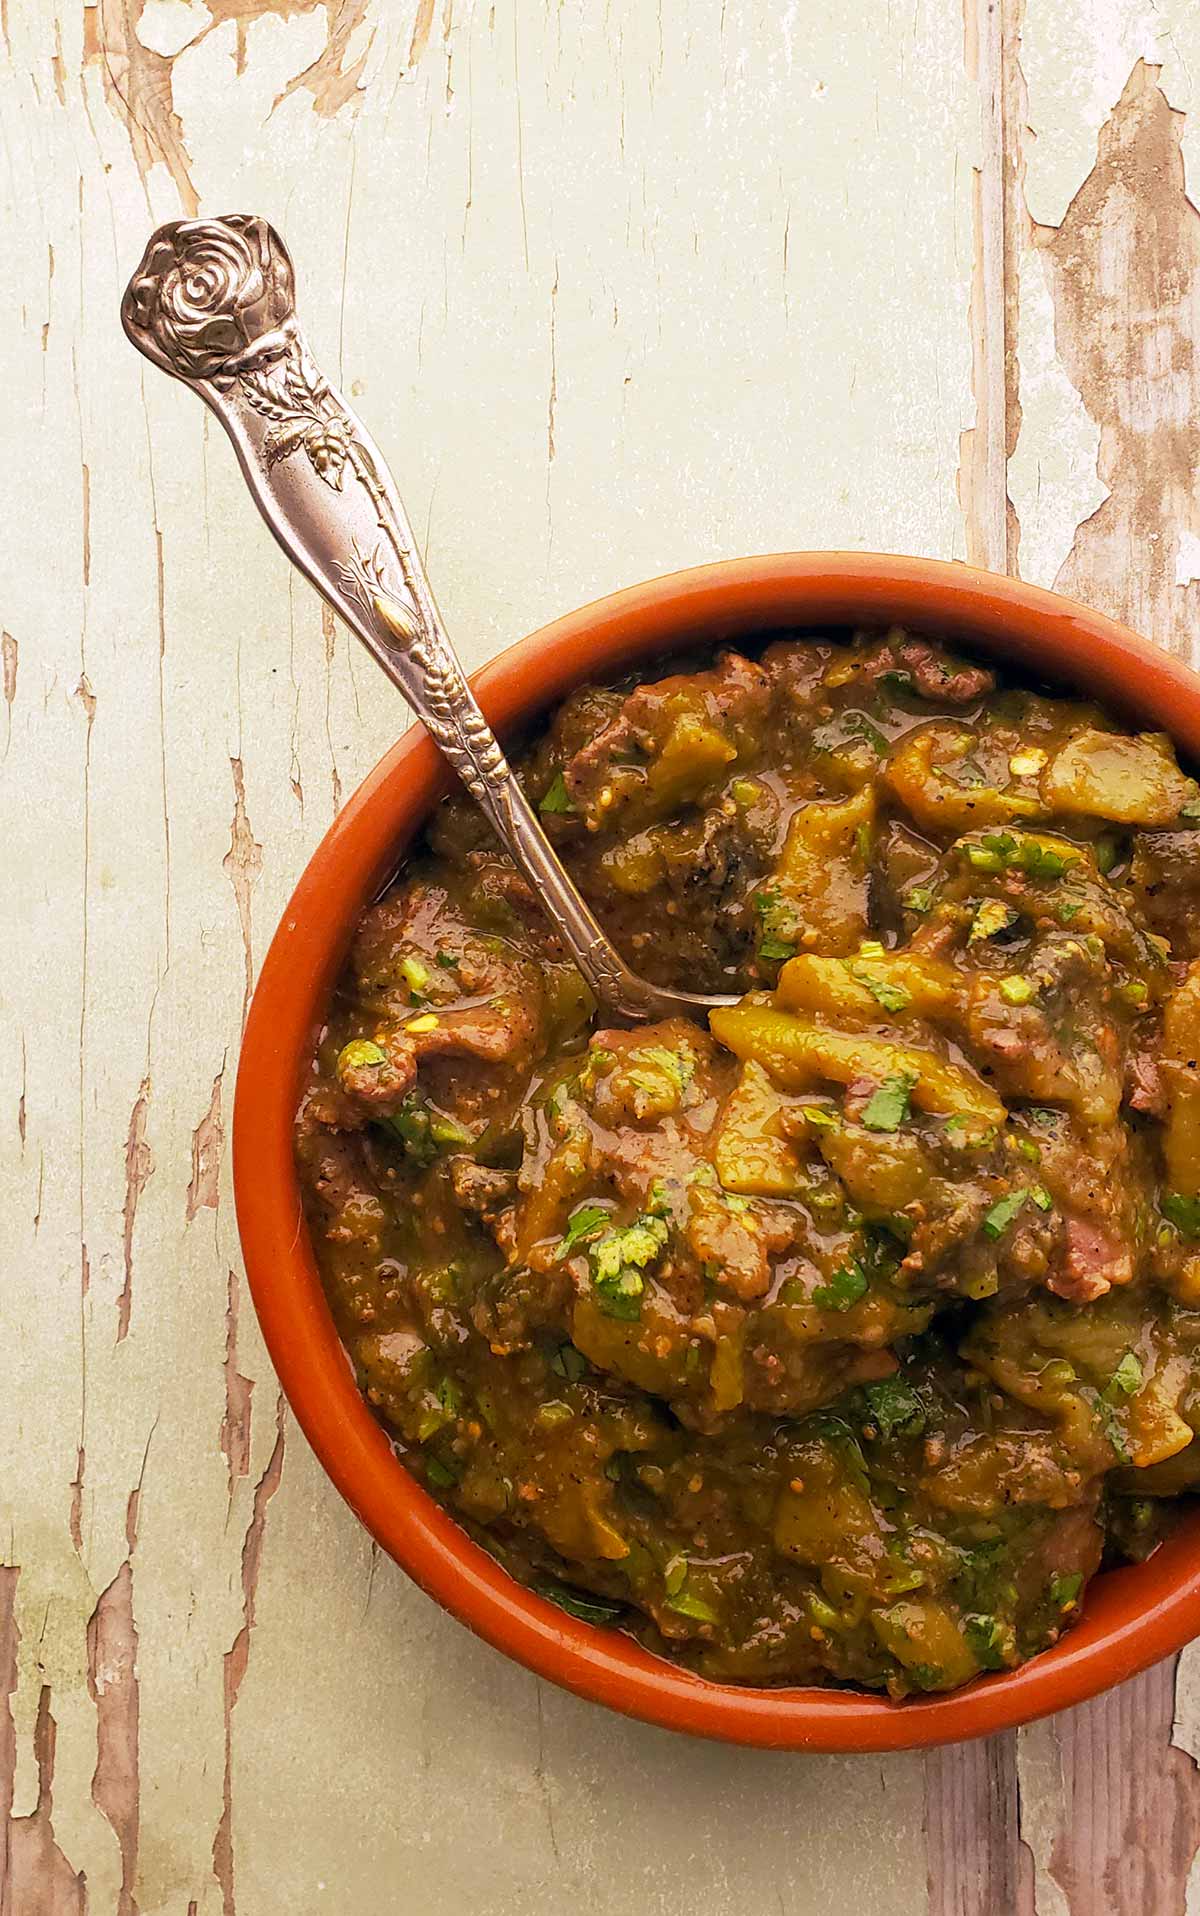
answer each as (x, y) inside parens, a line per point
(1132, 1616)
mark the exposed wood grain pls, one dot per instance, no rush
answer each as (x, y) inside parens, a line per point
(976, 1862)
(1103, 480)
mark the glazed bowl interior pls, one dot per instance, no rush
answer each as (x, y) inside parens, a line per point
(1132, 1616)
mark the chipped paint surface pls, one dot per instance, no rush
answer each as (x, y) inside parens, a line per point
(619, 289)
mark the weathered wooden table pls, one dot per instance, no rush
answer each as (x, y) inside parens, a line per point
(622, 288)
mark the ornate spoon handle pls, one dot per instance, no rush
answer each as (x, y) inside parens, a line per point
(212, 303)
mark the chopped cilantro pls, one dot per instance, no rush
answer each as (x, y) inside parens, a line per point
(846, 1285)
(439, 1473)
(1064, 1589)
(779, 926)
(987, 1637)
(678, 1067)
(557, 799)
(579, 1604)
(895, 1408)
(843, 730)
(410, 1123)
(687, 1604)
(1002, 1213)
(919, 899)
(897, 679)
(927, 1676)
(1184, 1212)
(446, 960)
(448, 1131)
(1127, 1378)
(618, 1260)
(888, 1105)
(619, 1293)
(582, 1223)
(1113, 1431)
(891, 996)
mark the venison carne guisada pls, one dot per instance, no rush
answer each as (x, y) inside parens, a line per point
(845, 1340)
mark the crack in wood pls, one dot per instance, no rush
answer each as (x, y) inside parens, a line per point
(139, 1167)
(208, 1142)
(242, 864)
(237, 1657)
(239, 1390)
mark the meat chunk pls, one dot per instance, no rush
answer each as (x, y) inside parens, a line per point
(937, 675)
(1094, 1262)
(670, 742)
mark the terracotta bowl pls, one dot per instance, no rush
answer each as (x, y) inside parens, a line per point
(1132, 1617)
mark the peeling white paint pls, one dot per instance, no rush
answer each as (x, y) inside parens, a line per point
(167, 26)
(1052, 479)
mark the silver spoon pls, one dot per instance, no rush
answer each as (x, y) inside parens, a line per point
(213, 304)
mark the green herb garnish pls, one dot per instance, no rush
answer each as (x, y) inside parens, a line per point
(997, 1220)
(1184, 1212)
(895, 1408)
(987, 1638)
(588, 1609)
(582, 1224)
(888, 1105)
(438, 1473)
(892, 997)
(1128, 1378)
(618, 1260)
(687, 1604)
(557, 798)
(846, 1285)
(1065, 1589)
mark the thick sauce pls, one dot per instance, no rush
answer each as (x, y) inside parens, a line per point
(843, 1341)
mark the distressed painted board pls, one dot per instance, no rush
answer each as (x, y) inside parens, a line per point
(618, 288)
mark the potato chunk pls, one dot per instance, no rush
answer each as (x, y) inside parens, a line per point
(1180, 1069)
(798, 1053)
(1132, 781)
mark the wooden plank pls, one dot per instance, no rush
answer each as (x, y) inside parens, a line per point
(1102, 482)
(620, 289)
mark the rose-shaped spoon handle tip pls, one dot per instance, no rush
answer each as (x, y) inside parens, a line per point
(211, 296)
(213, 303)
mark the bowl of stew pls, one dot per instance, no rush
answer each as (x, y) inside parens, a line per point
(826, 1377)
